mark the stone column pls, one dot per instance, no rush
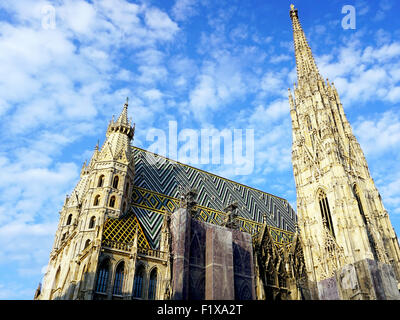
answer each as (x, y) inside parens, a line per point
(130, 274)
(219, 264)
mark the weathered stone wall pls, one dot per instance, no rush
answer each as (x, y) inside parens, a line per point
(209, 261)
(363, 280)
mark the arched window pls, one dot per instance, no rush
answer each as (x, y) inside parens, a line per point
(101, 181)
(119, 279)
(245, 293)
(115, 182)
(138, 282)
(96, 200)
(153, 284)
(112, 202)
(92, 222)
(102, 276)
(127, 188)
(87, 243)
(124, 207)
(69, 219)
(325, 211)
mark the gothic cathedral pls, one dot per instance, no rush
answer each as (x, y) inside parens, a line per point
(141, 226)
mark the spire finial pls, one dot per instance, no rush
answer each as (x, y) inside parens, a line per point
(305, 62)
(123, 117)
(292, 7)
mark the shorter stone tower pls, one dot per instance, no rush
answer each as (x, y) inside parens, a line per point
(101, 193)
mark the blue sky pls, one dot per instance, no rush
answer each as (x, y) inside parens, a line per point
(220, 65)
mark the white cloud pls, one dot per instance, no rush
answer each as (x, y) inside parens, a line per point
(184, 9)
(240, 32)
(217, 84)
(379, 134)
(204, 95)
(394, 95)
(274, 83)
(153, 94)
(151, 74)
(275, 111)
(382, 54)
(161, 25)
(363, 74)
(79, 16)
(391, 192)
(280, 58)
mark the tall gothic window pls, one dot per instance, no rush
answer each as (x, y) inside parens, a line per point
(325, 211)
(96, 200)
(138, 282)
(153, 284)
(92, 222)
(112, 202)
(101, 181)
(102, 277)
(69, 220)
(119, 279)
(115, 182)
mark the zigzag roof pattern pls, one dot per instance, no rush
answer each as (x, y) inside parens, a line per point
(158, 178)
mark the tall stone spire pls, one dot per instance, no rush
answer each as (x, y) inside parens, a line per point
(304, 59)
(341, 217)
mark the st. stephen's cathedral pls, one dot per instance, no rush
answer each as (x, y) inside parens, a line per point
(136, 227)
